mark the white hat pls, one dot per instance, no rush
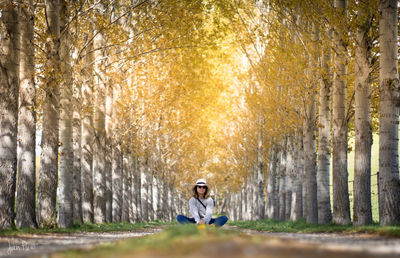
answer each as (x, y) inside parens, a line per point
(201, 181)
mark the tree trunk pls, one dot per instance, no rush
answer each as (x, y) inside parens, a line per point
(26, 214)
(9, 84)
(77, 149)
(65, 211)
(297, 195)
(125, 189)
(109, 147)
(149, 180)
(48, 173)
(282, 182)
(116, 163)
(290, 172)
(341, 203)
(223, 205)
(130, 189)
(144, 204)
(87, 133)
(137, 182)
(324, 140)
(303, 181)
(260, 175)
(389, 114)
(99, 156)
(362, 212)
(271, 184)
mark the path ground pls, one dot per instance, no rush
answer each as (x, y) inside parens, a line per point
(37, 245)
(249, 244)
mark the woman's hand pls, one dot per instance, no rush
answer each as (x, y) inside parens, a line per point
(201, 222)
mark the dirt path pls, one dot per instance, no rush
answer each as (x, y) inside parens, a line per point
(359, 245)
(252, 244)
(35, 245)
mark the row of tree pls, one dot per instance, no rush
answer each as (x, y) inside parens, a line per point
(101, 82)
(134, 100)
(324, 69)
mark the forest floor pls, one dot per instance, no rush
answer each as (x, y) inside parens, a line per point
(178, 241)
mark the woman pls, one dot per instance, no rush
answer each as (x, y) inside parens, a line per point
(201, 207)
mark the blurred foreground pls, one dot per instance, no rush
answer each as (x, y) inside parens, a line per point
(192, 241)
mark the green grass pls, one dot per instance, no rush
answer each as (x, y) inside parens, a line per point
(180, 240)
(106, 227)
(302, 227)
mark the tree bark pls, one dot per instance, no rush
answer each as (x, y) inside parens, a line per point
(77, 149)
(48, 173)
(297, 194)
(143, 186)
(99, 156)
(341, 203)
(282, 182)
(9, 85)
(362, 212)
(260, 174)
(87, 132)
(309, 130)
(26, 195)
(389, 195)
(324, 139)
(271, 184)
(109, 147)
(290, 173)
(65, 209)
(125, 189)
(116, 162)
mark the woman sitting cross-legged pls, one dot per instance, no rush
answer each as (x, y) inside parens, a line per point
(201, 207)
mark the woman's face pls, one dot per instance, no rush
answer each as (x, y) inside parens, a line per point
(201, 189)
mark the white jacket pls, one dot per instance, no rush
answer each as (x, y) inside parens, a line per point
(198, 211)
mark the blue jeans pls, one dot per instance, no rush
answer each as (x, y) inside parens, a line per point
(218, 222)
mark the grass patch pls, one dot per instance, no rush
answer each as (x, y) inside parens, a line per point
(302, 227)
(89, 227)
(178, 240)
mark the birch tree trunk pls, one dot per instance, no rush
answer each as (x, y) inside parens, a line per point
(130, 189)
(297, 197)
(244, 201)
(282, 182)
(362, 212)
(341, 203)
(149, 195)
(99, 173)
(77, 149)
(389, 196)
(289, 176)
(302, 165)
(87, 132)
(277, 173)
(48, 174)
(125, 189)
(271, 184)
(26, 195)
(134, 189)
(108, 149)
(260, 175)
(155, 198)
(65, 211)
(9, 85)
(138, 193)
(324, 140)
(116, 166)
(310, 184)
(144, 206)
